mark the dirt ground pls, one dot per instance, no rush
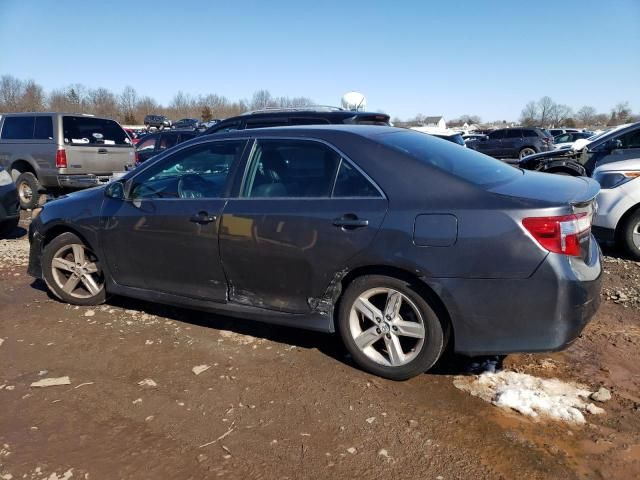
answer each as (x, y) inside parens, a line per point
(284, 403)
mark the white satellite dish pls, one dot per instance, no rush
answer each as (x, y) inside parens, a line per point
(354, 101)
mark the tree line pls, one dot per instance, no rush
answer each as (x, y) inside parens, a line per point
(547, 113)
(129, 107)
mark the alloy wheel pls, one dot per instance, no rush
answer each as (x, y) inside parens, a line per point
(387, 327)
(635, 235)
(76, 271)
(526, 152)
(25, 192)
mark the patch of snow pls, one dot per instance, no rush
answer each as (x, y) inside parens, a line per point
(51, 382)
(147, 382)
(531, 396)
(198, 369)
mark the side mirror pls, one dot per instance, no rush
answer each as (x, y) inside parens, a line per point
(115, 190)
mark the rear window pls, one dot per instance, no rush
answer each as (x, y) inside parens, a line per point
(93, 131)
(464, 163)
(382, 120)
(18, 128)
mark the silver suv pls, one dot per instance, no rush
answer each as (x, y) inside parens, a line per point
(50, 153)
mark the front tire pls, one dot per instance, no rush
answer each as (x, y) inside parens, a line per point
(389, 329)
(72, 271)
(630, 235)
(29, 191)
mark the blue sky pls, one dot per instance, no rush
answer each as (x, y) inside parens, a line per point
(454, 57)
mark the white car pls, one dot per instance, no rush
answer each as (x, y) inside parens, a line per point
(618, 217)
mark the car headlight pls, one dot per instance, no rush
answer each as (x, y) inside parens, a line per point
(5, 178)
(609, 180)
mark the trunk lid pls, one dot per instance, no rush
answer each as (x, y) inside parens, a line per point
(554, 190)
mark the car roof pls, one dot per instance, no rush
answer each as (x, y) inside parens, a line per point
(368, 131)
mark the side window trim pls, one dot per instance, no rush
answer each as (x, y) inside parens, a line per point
(249, 158)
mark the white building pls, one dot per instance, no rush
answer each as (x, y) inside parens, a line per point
(435, 122)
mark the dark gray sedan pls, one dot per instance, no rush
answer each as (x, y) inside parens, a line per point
(403, 243)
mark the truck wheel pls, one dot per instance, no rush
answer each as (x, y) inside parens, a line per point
(630, 235)
(29, 191)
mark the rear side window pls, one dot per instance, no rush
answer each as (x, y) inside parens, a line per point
(463, 163)
(291, 168)
(93, 131)
(267, 123)
(225, 127)
(18, 128)
(530, 133)
(351, 183)
(43, 129)
(514, 133)
(382, 120)
(167, 141)
(147, 144)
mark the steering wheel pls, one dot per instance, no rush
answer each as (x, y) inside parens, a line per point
(191, 186)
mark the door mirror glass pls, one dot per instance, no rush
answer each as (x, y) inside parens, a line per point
(115, 190)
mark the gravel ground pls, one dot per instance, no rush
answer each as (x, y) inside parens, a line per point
(140, 390)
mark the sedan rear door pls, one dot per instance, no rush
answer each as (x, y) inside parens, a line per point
(302, 213)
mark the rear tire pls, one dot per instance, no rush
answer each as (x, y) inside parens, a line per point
(525, 152)
(389, 329)
(630, 235)
(72, 271)
(29, 191)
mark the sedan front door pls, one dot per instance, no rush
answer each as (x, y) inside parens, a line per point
(303, 212)
(164, 236)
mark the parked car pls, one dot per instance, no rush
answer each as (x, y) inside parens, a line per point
(472, 137)
(514, 142)
(155, 143)
(558, 131)
(620, 143)
(318, 228)
(133, 135)
(618, 217)
(186, 123)
(566, 140)
(51, 153)
(297, 116)
(9, 205)
(156, 121)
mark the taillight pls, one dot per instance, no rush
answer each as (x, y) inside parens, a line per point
(61, 158)
(560, 234)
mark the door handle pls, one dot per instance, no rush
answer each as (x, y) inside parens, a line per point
(350, 221)
(102, 150)
(202, 217)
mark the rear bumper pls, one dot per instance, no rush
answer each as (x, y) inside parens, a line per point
(545, 312)
(82, 181)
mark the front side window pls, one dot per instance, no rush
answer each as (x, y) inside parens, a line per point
(497, 135)
(630, 139)
(291, 168)
(196, 172)
(18, 128)
(81, 130)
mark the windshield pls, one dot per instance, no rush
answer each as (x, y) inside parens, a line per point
(464, 163)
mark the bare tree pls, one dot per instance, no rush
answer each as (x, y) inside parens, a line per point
(33, 98)
(127, 103)
(621, 112)
(102, 102)
(530, 114)
(586, 116)
(11, 90)
(560, 114)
